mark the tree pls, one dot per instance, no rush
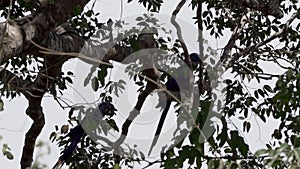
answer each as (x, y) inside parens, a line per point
(38, 37)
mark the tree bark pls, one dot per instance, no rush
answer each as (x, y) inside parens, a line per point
(35, 112)
(16, 35)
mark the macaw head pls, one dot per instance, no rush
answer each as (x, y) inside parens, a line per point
(195, 58)
(107, 109)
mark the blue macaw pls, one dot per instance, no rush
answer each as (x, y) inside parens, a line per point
(171, 86)
(76, 133)
(195, 58)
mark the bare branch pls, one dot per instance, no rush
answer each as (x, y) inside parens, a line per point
(153, 76)
(179, 32)
(234, 36)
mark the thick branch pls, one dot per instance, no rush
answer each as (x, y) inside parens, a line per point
(154, 76)
(133, 114)
(36, 114)
(60, 39)
(16, 35)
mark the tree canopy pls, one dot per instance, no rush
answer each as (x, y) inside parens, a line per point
(218, 97)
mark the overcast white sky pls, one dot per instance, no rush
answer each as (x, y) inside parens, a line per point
(14, 123)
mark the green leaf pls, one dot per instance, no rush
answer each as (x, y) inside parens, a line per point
(6, 152)
(64, 129)
(52, 136)
(261, 92)
(9, 155)
(40, 144)
(69, 79)
(77, 10)
(95, 84)
(268, 88)
(297, 153)
(117, 166)
(1, 105)
(5, 148)
(260, 152)
(71, 112)
(86, 80)
(139, 18)
(256, 94)
(237, 141)
(194, 137)
(101, 75)
(295, 141)
(246, 126)
(70, 73)
(282, 147)
(113, 124)
(51, 2)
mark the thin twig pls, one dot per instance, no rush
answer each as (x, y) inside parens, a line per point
(179, 32)
(231, 43)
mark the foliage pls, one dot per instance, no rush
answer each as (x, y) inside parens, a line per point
(89, 153)
(152, 5)
(284, 156)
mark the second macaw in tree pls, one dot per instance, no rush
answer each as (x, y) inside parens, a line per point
(173, 87)
(76, 133)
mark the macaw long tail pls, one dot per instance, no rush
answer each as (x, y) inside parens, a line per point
(75, 136)
(160, 125)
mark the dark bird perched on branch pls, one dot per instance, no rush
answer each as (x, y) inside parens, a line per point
(173, 87)
(76, 133)
(195, 58)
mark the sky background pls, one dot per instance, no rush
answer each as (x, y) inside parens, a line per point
(14, 123)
